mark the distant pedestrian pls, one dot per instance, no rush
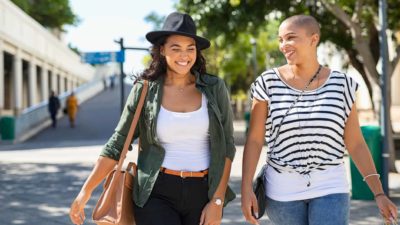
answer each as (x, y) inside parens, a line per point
(105, 83)
(72, 108)
(54, 106)
(112, 81)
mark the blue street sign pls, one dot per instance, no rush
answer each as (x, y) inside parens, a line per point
(102, 57)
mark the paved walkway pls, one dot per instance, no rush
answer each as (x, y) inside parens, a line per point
(39, 178)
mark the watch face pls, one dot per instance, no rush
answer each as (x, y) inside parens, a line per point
(218, 201)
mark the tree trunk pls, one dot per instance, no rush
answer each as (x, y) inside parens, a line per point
(362, 46)
(359, 67)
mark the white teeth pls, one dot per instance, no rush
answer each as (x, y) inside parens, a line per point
(289, 53)
(182, 63)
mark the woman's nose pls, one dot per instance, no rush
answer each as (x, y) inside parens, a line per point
(184, 54)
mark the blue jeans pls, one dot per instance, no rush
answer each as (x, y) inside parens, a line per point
(331, 209)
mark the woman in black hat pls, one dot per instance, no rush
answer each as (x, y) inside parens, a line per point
(186, 134)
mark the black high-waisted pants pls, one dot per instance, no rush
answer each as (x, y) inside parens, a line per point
(174, 201)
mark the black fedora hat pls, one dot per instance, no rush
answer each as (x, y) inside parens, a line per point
(180, 24)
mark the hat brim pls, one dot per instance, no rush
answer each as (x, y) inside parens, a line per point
(154, 36)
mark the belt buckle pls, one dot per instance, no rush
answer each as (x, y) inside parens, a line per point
(182, 176)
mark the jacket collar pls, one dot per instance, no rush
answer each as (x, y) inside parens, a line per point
(199, 79)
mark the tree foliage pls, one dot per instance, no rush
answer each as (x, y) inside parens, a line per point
(49, 13)
(155, 19)
(230, 19)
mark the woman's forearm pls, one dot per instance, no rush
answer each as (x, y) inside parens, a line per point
(251, 155)
(101, 169)
(363, 160)
(223, 184)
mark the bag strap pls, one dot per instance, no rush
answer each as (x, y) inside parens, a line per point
(135, 120)
(293, 104)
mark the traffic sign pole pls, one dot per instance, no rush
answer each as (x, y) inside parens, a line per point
(123, 48)
(122, 75)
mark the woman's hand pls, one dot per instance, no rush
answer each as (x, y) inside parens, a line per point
(77, 212)
(211, 214)
(249, 206)
(387, 209)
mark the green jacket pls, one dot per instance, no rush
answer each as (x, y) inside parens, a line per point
(152, 153)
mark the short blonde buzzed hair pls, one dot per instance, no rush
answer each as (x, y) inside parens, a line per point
(305, 21)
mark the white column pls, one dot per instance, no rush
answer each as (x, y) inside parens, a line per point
(62, 83)
(45, 81)
(73, 80)
(32, 82)
(1, 76)
(54, 86)
(70, 83)
(17, 82)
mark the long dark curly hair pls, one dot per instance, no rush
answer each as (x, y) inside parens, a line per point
(158, 64)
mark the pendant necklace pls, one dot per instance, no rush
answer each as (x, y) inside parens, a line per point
(307, 176)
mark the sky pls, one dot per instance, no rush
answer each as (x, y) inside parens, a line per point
(103, 21)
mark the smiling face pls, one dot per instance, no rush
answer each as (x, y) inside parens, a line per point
(180, 54)
(297, 43)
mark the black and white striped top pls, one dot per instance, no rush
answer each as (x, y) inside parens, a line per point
(312, 134)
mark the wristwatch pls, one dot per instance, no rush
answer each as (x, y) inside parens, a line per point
(218, 201)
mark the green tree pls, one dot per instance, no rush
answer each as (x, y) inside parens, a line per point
(74, 49)
(351, 25)
(49, 13)
(155, 19)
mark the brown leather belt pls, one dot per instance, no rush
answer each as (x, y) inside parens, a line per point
(184, 174)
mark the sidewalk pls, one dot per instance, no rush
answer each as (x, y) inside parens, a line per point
(40, 178)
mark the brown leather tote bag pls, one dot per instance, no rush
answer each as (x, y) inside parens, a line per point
(115, 205)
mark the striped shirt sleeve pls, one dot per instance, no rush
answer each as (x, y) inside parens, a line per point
(259, 90)
(350, 89)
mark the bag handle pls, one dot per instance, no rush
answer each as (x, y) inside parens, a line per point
(135, 121)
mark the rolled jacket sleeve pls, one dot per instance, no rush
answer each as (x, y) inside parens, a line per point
(113, 148)
(227, 119)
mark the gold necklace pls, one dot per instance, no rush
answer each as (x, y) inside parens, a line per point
(181, 89)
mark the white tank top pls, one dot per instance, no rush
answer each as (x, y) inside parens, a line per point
(185, 138)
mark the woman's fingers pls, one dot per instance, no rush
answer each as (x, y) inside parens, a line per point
(248, 206)
(202, 218)
(393, 212)
(76, 214)
(388, 210)
(254, 207)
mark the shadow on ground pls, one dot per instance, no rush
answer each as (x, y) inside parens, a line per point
(41, 194)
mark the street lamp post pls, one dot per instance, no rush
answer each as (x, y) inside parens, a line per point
(254, 44)
(122, 76)
(385, 126)
(121, 64)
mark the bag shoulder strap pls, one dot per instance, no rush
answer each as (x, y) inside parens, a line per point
(134, 123)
